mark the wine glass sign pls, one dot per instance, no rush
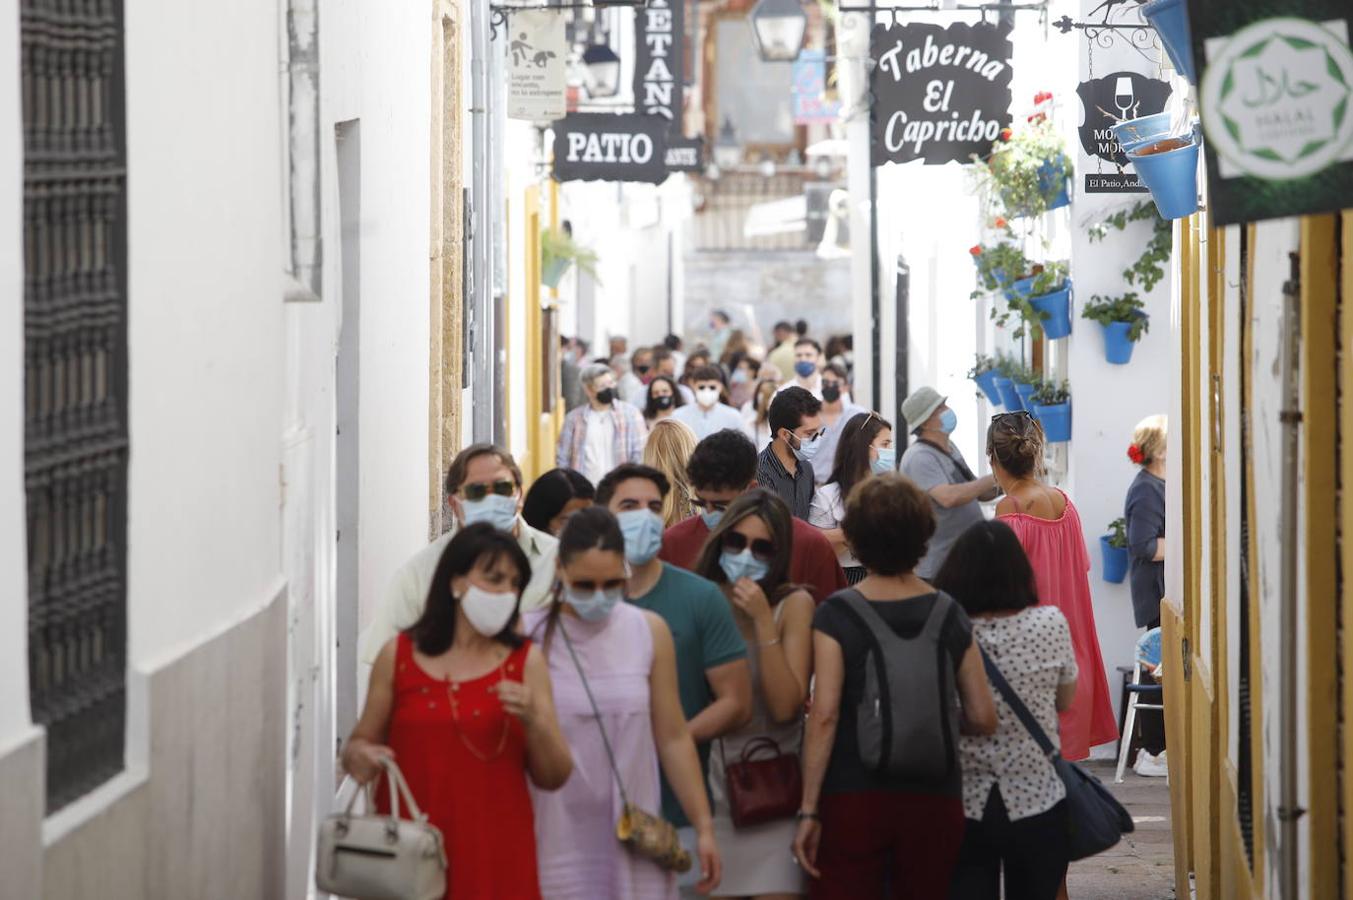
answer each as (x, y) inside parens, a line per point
(1105, 101)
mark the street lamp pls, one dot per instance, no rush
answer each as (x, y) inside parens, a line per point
(602, 69)
(779, 27)
(727, 153)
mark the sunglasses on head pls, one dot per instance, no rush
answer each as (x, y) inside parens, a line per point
(480, 490)
(1019, 413)
(736, 542)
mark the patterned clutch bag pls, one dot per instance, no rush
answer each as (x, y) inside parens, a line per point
(653, 838)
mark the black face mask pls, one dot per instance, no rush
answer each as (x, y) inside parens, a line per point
(605, 396)
(831, 392)
(642, 370)
(663, 402)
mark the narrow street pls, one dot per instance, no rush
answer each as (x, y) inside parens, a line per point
(1142, 866)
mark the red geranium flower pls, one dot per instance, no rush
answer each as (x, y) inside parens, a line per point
(975, 249)
(1000, 223)
(1135, 454)
(1006, 133)
(1041, 96)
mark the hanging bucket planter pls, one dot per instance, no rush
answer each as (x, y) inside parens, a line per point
(1056, 421)
(1057, 305)
(1115, 561)
(553, 272)
(1145, 128)
(1169, 167)
(1117, 344)
(1009, 398)
(1170, 18)
(1052, 175)
(987, 382)
(1025, 391)
(1020, 288)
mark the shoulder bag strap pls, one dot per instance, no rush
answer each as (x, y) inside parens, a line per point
(962, 467)
(606, 741)
(1021, 711)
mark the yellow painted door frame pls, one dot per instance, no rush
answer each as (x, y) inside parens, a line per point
(537, 459)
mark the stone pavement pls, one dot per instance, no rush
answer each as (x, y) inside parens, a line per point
(1141, 867)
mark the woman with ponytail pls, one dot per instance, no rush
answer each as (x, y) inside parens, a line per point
(1048, 526)
(1144, 511)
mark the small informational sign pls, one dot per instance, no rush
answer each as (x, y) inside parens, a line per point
(685, 154)
(1105, 101)
(941, 93)
(605, 147)
(659, 50)
(537, 51)
(1276, 97)
(809, 98)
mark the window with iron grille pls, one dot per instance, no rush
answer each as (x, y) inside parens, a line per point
(75, 385)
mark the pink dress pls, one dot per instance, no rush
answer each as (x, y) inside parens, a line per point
(1056, 550)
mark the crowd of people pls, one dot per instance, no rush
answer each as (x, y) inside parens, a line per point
(733, 645)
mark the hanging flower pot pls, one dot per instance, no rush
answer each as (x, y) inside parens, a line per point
(1025, 391)
(987, 382)
(1117, 344)
(1169, 168)
(553, 271)
(1115, 560)
(1051, 405)
(1009, 398)
(1055, 183)
(1170, 18)
(1019, 288)
(1144, 128)
(1123, 321)
(1056, 307)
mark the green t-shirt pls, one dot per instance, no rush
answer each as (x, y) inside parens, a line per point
(701, 622)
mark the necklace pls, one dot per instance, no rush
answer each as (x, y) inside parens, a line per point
(452, 688)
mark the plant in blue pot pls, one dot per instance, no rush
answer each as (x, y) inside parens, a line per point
(1026, 383)
(997, 266)
(1169, 169)
(1047, 298)
(1051, 405)
(984, 373)
(558, 252)
(1006, 368)
(1123, 320)
(1028, 171)
(1114, 549)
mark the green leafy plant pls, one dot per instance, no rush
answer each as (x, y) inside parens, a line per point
(1006, 365)
(557, 246)
(997, 266)
(1026, 170)
(982, 364)
(1125, 308)
(1118, 534)
(1050, 393)
(1022, 374)
(1149, 268)
(1049, 277)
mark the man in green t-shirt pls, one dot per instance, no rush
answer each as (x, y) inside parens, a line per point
(713, 676)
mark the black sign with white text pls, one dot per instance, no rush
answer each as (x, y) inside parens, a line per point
(659, 50)
(601, 146)
(941, 94)
(1104, 101)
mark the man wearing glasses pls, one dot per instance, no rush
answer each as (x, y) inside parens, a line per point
(938, 468)
(723, 468)
(786, 465)
(483, 484)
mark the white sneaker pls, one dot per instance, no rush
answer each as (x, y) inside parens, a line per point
(1149, 766)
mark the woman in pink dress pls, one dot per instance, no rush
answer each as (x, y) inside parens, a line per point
(1047, 524)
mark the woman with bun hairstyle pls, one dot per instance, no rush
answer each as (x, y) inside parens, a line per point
(1048, 526)
(1144, 511)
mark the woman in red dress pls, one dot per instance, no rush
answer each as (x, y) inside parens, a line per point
(463, 704)
(1047, 524)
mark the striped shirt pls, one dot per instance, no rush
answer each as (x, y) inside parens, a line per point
(796, 490)
(630, 432)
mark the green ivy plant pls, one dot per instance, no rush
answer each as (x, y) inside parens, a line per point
(1149, 268)
(1118, 534)
(1124, 308)
(1050, 393)
(1012, 174)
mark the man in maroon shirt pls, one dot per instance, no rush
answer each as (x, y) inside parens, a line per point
(721, 469)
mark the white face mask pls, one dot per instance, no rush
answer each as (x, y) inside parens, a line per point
(488, 613)
(707, 397)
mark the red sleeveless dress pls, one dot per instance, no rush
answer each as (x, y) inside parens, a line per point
(466, 766)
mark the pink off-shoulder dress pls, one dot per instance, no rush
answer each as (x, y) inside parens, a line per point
(1056, 550)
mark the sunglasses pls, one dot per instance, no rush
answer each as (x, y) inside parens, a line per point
(736, 542)
(480, 490)
(1019, 413)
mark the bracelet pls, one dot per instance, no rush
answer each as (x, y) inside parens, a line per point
(806, 814)
(770, 643)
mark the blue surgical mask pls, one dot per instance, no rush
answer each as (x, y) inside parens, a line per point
(803, 368)
(594, 606)
(886, 462)
(711, 518)
(742, 565)
(642, 529)
(948, 421)
(806, 450)
(739, 376)
(497, 510)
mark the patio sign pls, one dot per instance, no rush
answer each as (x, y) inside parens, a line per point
(537, 52)
(603, 146)
(941, 93)
(1276, 96)
(1104, 101)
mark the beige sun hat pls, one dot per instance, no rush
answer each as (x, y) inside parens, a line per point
(920, 406)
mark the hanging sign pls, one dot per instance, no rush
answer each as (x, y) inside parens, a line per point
(941, 94)
(808, 98)
(606, 147)
(685, 154)
(659, 51)
(1276, 97)
(1104, 101)
(537, 53)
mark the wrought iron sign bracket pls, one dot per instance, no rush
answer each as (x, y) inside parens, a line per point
(499, 12)
(1139, 37)
(936, 7)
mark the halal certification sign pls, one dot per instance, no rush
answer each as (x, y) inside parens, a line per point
(1277, 97)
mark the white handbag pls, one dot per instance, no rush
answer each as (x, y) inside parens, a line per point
(374, 857)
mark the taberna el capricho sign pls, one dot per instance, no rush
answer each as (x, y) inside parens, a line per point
(941, 93)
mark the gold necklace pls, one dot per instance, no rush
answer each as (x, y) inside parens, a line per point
(452, 688)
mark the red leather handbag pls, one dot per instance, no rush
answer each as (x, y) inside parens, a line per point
(764, 785)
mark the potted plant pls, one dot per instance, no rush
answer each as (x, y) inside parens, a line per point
(1005, 384)
(985, 374)
(1114, 549)
(1028, 170)
(997, 266)
(1123, 322)
(1051, 405)
(558, 252)
(1170, 18)
(1050, 296)
(1025, 382)
(1169, 168)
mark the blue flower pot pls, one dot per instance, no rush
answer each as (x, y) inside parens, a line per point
(1057, 305)
(1025, 391)
(1170, 18)
(1056, 421)
(987, 382)
(1049, 174)
(1019, 288)
(1145, 128)
(1009, 398)
(1115, 561)
(1117, 346)
(1171, 176)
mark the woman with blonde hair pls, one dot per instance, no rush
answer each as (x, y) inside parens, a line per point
(1048, 526)
(669, 447)
(1144, 511)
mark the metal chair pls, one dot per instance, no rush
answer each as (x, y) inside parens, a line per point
(1141, 695)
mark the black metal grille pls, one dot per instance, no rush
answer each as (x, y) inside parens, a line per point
(75, 384)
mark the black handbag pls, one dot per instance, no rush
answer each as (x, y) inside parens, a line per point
(1097, 821)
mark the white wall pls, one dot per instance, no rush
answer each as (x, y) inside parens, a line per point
(14, 710)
